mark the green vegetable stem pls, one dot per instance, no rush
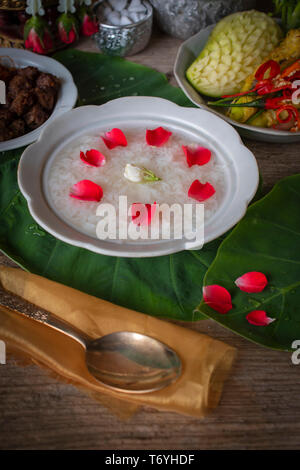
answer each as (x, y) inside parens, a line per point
(289, 10)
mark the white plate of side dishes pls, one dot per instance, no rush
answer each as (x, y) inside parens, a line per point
(67, 94)
(49, 167)
(187, 53)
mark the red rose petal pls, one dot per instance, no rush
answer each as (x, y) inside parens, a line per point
(252, 282)
(93, 158)
(141, 214)
(114, 138)
(217, 297)
(259, 318)
(157, 137)
(197, 156)
(200, 191)
(86, 190)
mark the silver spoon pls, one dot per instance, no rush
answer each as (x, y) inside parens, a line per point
(125, 361)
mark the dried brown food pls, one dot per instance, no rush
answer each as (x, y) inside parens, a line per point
(17, 84)
(7, 103)
(22, 102)
(46, 80)
(46, 97)
(5, 132)
(2, 130)
(35, 117)
(30, 98)
(6, 115)
(30, 73)
(17, 127)
(6, 73)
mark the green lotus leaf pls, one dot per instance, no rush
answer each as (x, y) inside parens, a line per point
(267, 239)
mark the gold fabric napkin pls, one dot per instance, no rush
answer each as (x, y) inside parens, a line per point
(206, 362)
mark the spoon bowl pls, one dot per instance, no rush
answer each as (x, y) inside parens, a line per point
(132, 362)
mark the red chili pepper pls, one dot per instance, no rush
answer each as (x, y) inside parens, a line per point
(287, 93)
(270, 64)
(288, 71)
(292, 113)
(274, 103)
(263, 87)
(287, 119)
(283, 87)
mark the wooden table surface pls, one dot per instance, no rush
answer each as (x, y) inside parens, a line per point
(260, 406)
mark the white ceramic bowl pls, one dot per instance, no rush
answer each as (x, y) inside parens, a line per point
(241, 172)
(67, 94)
(187, 53)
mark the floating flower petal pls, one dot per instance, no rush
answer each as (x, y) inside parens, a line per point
(93, 158)
(252, 282)
(114, 138)
(86, 190)
(157, 137)
(259, 318)
(197, 156)
(200, 191)
(141, 214)
(218, 298)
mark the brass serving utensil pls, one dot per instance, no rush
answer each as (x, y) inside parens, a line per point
(125, 361)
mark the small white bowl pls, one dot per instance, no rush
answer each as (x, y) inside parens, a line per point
(67, 94)
(241, 171)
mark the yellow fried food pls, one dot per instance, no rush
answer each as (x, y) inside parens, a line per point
(265, 119)
(239, 113)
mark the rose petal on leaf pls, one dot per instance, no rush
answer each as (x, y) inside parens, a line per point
(114, 138)
(251, 282)
(141, 214)
(197, 156)
(217, 297)
(259, 318)
(200, 191)
(86, 190)
(93, 158)
(157, 137)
